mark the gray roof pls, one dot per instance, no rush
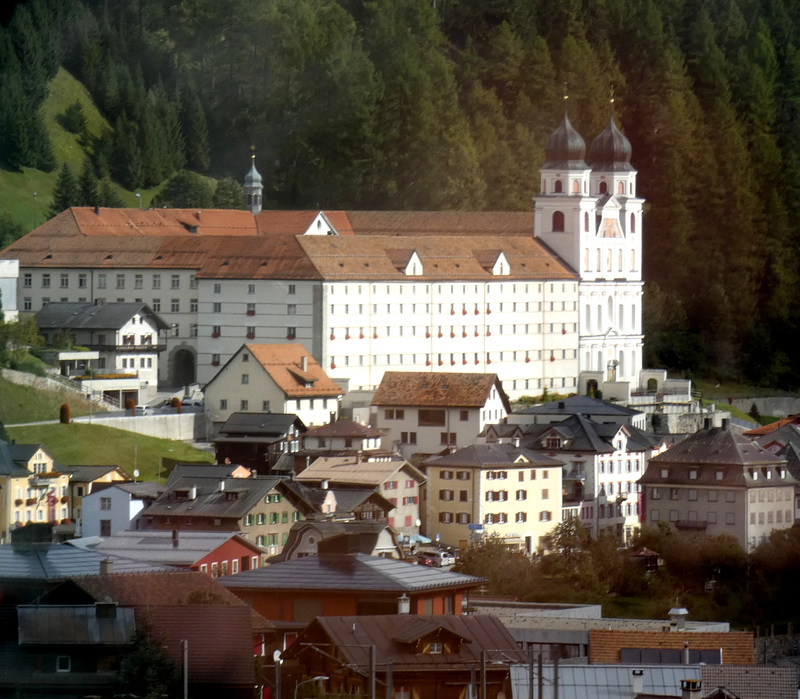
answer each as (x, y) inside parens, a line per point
(88, 316)
(350, 572)
(603, 681)
(583, 405)
(74, 625)
(718, 445)
(492, 456)
(240, 496)
(140, 490)
(260, 424)
(58, 562)
(14, 458)
(579, 433)
(159, 547)
(88, 474)
(216, 471)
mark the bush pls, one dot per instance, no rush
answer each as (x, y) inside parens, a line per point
(64, 416)
(130, 404)
(27, 363)
(176, 403)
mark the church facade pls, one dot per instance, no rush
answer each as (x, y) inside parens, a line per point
(547, 300)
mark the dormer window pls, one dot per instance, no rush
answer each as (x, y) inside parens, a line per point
(435, 648)
(552, 443)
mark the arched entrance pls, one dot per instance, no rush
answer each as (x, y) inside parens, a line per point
(591, 388)
(183, 369)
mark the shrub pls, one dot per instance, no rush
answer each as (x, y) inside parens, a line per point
(130, 404)
(64, 416)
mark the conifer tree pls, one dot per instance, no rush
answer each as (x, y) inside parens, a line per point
(67, 191)
(89, 185)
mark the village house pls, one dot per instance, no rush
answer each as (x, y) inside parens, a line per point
(257, 441)
(112, 507)
(426, 412)
(83, 479)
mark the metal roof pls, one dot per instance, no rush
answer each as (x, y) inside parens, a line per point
(584, 405)
(260, 424)
(346, 573)
(75, 624)
(90, 316)
(494, 455)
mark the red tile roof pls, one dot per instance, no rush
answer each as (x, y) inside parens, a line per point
(283, 363)
(343, 428)
(772, 426)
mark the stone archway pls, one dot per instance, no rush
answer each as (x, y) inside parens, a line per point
(183, 367)
(591, 388)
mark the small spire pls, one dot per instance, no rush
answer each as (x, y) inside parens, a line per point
(253, 152)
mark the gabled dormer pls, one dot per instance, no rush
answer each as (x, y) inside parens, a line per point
(414, 266)
(406, 261)
(321, 225)
(429, 638)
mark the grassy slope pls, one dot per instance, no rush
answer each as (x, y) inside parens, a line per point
(25, 404)
(17, 188)
(81, 443)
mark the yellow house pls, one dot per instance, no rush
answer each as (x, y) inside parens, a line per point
(33, 490)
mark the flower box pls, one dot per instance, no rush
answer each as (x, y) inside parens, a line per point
(361, 336)
(464, 334)
(251, 336)
(464, 312)
(452, 334)
(215, 363)
(347, 337)
(427, 334)
(251, 313)
(30, 501)
(427, 362)
(527, 359)
(477, 312)
(290, 337)
(452, 362)
(476, 332)
(64, 498)
(18, 501)
(440, 362)
(333, 337)
(333, 366)
(552, 358)
(214, 334)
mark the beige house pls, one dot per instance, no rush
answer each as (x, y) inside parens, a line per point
(32, 489)
(487, 489)
(425, 412)
(82, 481)
(272, 379)
(719, 482)
(395, 479)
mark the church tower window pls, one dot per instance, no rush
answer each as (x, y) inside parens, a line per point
(633, 223)
(576, 187)
(586, 223)
(558, 221)
(603, 188)
(558, 187)
(620, 188)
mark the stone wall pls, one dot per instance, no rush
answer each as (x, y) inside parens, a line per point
(186, 427)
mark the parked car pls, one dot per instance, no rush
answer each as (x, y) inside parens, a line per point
(425, 558)
(143, 410)
(442, 558)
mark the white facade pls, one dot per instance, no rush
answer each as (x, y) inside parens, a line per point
(108, 511)
(9, 278)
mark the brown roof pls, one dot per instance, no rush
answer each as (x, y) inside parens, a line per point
(605, 644)
(283, 363)
(442, 257)
(750, 682)
(354, 471)
(230, 244)
(772, 426)
(440, 389)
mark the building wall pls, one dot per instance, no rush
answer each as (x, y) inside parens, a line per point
(228, 559)
(9, 278)
(524, 508)
(115, 506)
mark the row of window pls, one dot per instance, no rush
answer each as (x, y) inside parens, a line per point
(502, 517)
(609, 267)
(121, 279)
(499, 289)
(711, 516)
(601, 323)
(692, 494)
(299, 404)
(771, 517)
(393, 485)
(453, 358)
(40, 515)
(575, 187)
(409, 500)
(451, 331)
(630, 466)
(274, 518)
(130, 362)
(452, 309)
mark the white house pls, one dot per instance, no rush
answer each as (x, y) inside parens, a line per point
(272, 378)
(9, 278)
(424, 412)
(111, 509)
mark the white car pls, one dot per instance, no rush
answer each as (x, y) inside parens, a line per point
(442, 558)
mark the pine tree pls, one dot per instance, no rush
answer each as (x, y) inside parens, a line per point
(195, 126)
(108, 195)
(67, 191)
(88, 183)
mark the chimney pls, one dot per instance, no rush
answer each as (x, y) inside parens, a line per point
(174, 538)
(304, 363)
(691, 689)
(106, 566)
(726, 423)
(637, 683)
(96, 210)
(404, 604)
(222, 486)
(677, 617)
(686, 653)
(193, 492)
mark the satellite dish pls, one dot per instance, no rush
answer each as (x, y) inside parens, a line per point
(136, 473)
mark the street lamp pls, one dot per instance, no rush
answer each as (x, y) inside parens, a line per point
(318, 678)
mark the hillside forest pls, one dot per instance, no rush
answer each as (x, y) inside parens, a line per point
(447, 104)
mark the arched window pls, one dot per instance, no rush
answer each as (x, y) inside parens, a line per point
(558, 187)
(586, 222)
(619, 261)
(597, 256)
(603, 188)
(558, 221)
(609, 261)
(621, 318)
(588, 321)
(610, 311)
(652, 385)
(591, 388)
(633, 260)
(576, 187)
(586, 259)
(630, 188)
(633, 223)
(620, 188)
(584, 186)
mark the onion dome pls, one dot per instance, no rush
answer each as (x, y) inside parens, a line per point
(565, 149)
(253, 177)
(611, 150)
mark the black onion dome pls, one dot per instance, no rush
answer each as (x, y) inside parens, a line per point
(611, 150)
(565, 149)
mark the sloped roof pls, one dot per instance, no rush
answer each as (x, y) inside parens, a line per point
(138, 490)
(493, 456)
(186, 549)
(260, 424)
(752, 681)
(283, 363)
(90, 316)
(14, 458)
(717, 445)
(772, 426)
(354, 470)
(578, 404)
(74, 625)
(578, 434)
(240, 496)
(437, 389)
(451, 223)
(89, 474)
(443, 257)
(204, 470)
(345, 573)
(59, 561)
(393, 636)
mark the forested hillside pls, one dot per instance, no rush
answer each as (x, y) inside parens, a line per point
(447, 104)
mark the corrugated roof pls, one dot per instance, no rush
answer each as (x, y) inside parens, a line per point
(437, 389)
(88, 474)
(348, 573)
(75, 625)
